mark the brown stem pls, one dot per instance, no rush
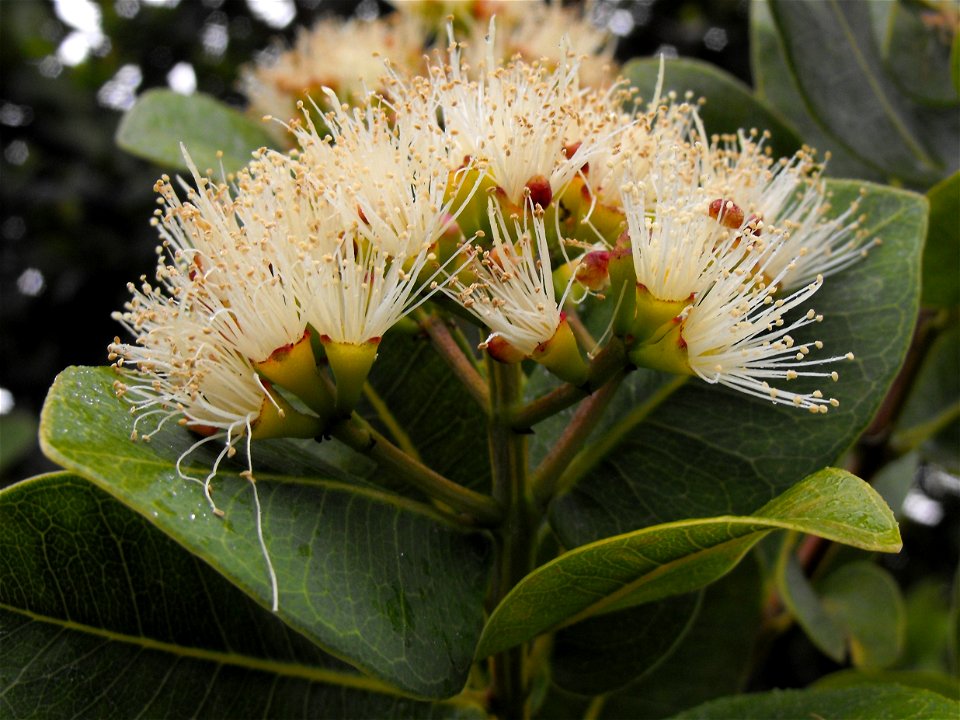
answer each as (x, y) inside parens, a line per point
(359, 435)
(608, 362)
(545, 477)
(452, 354)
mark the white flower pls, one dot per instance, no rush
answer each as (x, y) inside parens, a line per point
(789, 197)
(739, 334)
(513, 294)
(531, 127)
(547, 31)
(347, 56)
(356, 292)
(385, 171)
(678, 248)
(185, 370)
(640, 139)
(220, 305)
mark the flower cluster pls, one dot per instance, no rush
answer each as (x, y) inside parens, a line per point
(348, 56)
(514, 189)
(476, 180)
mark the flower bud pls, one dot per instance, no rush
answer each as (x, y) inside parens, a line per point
(727, 213)
(593, 270)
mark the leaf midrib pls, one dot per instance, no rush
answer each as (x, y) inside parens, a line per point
(819, 526)
(881, 98)
(285, 669)
(71, 462)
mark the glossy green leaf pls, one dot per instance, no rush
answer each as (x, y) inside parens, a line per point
(679, 557)
(865, 601)
(831, 49)
(916, 52)
(103, 615)
(805, 605)
(602, 654)
(869, 702)
(374, 578)
(934, 400)
(925, 680)
(162, 119)
(941, 256)
(730, 105)
(422, 396)
(707, 451)
(775, 85)
(714, 659)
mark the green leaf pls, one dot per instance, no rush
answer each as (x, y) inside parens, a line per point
(864, 600)
(776, 85)
(708, 451)
(103, 615)
(928, 626)
(713, 660)
(374, 578)
(680, 557)
(941, 256)
(835, 59)
(953, 633)
(605, 653)
(916, 52)
(955, 62)
(162, 119)
(730, 105)
(934, 400)
(894, 480)
(925, 680)
(805, 605)
(869, 702)
(19, 432)
(438, 416)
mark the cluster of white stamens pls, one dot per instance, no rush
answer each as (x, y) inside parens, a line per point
(513, 294)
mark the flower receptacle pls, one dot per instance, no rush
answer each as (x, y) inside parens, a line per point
(294, 368)
(667, 353)
(279, 419)
(502, 351)
(653, 318)
(561, 355)
(350, 364)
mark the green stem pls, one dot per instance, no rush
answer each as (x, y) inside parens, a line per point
(359, 435)
(593, 454)
(595, 708)
(581, 332)
(455, 358)
(608, 362)
(384, 414)
(508, 459)
(547, 473)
